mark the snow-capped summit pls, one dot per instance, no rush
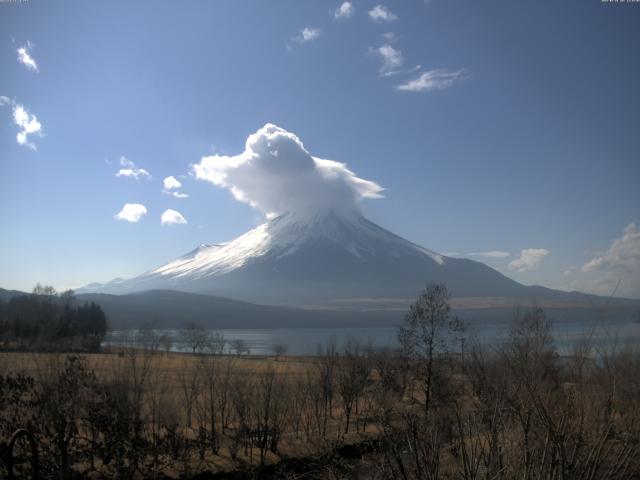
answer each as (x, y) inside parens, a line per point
(318, 257)
(286, 235)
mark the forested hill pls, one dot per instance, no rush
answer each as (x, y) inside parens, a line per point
(46, 320)
(172, 309)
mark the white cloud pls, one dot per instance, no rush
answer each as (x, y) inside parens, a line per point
(380, 13)
(620, 263)
(4, 100)
(131, 212)
(432, 80)
(491, 254)
(131, 171)
(28, 124)
(171, 183)
(172, 217)
(391, 58)
(125, 162)
(177, 194)
(308, 34)
(622, 251)
(25, 58)
(346, 10)
(530, 259)
(276, 174)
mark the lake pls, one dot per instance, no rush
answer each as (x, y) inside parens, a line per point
(305, 341)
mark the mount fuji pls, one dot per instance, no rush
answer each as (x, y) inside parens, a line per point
(327, 258)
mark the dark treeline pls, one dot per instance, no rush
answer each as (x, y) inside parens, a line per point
(46, 320)
(441, 406)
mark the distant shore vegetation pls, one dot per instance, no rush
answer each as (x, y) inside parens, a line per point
(46, 320)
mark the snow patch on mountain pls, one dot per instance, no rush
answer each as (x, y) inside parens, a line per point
(287, 234)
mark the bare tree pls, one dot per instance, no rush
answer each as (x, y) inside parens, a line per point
(44, 291)
(325, 363)
(353, 375)
(279, 349)
(190, 385)
(240, 346)
(167, 342)
(216, 344)
(270, 411)
(241, 396)
(214, 385)
(426, 335)
(60, 402)
(147, 338)
(225, 380)
(194, 336)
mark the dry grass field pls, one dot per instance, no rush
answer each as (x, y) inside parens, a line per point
(183, 392)
(172, 364)
(428, 410)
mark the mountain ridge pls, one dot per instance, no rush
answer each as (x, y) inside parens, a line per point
(321, 258)
(172, 309)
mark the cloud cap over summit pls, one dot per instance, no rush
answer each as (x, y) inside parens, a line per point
(276, 174)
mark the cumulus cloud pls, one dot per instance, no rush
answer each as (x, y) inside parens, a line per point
(391, 59)
(530, 259)
(171, 184)
(308, 34)
(131, 170)
(380, 14)
(619, 263)
(28, 125)
(276, 174)
(172, 217)
(491, 254)
(25, 58)
(623, 250)
(131, 212)
(432, 80)
(346, 10)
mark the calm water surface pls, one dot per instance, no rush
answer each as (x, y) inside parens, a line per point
(305, 341)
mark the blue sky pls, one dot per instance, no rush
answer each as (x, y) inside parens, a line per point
(493, 126)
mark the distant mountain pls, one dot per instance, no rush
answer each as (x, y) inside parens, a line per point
(172, 309)
(327, 259)
(6, 295)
